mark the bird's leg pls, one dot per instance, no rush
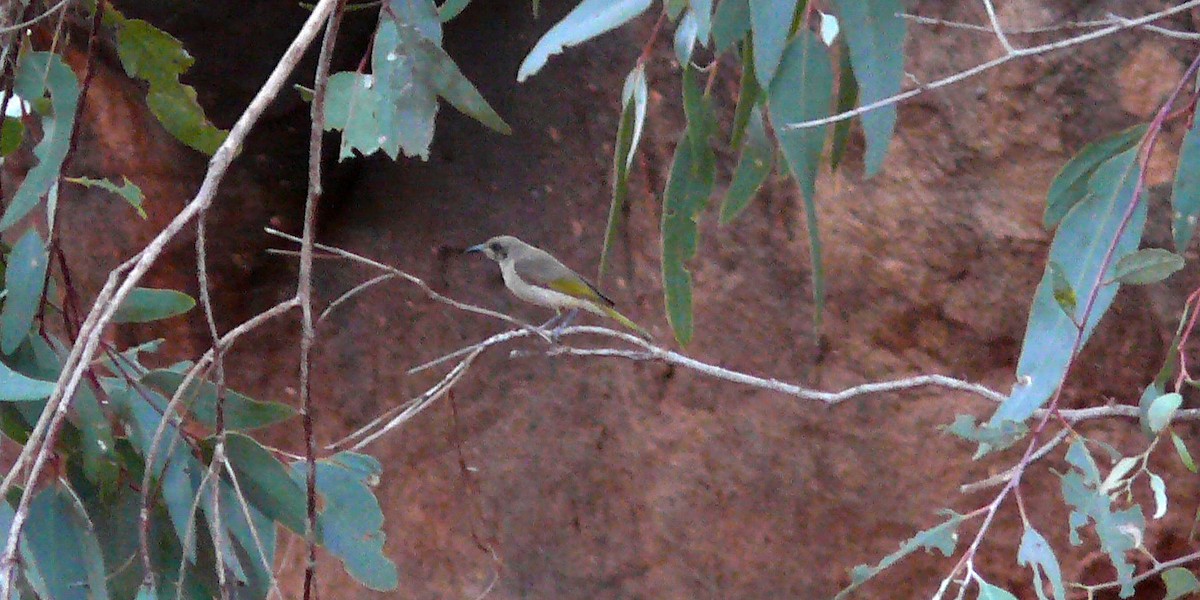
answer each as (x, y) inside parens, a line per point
(546, 326)
(564, 323)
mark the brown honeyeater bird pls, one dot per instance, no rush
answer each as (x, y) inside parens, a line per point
(533, 275)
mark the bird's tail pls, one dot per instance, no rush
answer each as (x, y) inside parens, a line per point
(622, 319)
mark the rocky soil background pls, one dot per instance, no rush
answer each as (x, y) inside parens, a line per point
(590, 478)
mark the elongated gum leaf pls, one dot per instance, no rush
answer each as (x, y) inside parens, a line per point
(730, 24)
(1148, 265)
(754, 165)
(629, 133)
(144, 305)
(689, 185)
(771, 22)
(1185, 196)
(15, 387)
(60, 543)
(242, 413)
(25, 279)
(749, 96)
(802, 90)
(1071, 183)
(875, 34)
(1079, 246)
(38, 74)
(588, 20)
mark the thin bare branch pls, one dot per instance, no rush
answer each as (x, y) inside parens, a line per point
(999, 31)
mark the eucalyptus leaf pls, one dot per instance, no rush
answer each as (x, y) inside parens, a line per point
(588, 19)
(1079, 246)
(1180, 582)
(801, 90)
(1070, 185)
(1162, 410)
(24, 282)
(875, 33)
(1148, 265)
(771, 24)
(1185, 194)
(39, 74)
(144, 305)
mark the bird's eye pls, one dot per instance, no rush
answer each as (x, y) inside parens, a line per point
(495, 248)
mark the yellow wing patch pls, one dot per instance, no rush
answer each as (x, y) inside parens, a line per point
(577, 288)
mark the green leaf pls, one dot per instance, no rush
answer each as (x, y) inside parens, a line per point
(456, 89)
(730, 24)
(771, 22)
(1117, 475)
(1079, 457)
(1119, 532)
(1071, 184)
(242, 413)
(410, 72)
(998, 437)
(176, 107)
(1036, 552)
(419, 15)
(749, 96)
(39, 73)
(689, 185)
(158, 58)
(847, 97)
(127, 190)
(60, 543)
(266, 482)
(451, 8)
(351, 520)
(1148, 265)
(1079, 246)
(802, 90)
(1185, 196)
(353, 106)
(252, 567)
(24, 280)
(754, 165)
(588, 20)
(1184, 456)
(988, 591)
(12, 133)
(629, 133)
(144, 305)
(1180, 582)
(942, 537)
(97, 444)
(1162, 410)
(1064, 295)
(875, 35)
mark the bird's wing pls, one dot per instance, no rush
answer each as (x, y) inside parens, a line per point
(542, 269)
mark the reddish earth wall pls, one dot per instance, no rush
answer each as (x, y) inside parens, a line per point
(605, 479)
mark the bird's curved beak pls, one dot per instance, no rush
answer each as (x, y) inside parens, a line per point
(477, 248)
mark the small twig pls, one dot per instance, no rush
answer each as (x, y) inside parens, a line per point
(1004, 477)
(34, 21)
(417, 281)
(308, 334)
(991, 13)
(991, 64)
(353, 291)
(1155, 570)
